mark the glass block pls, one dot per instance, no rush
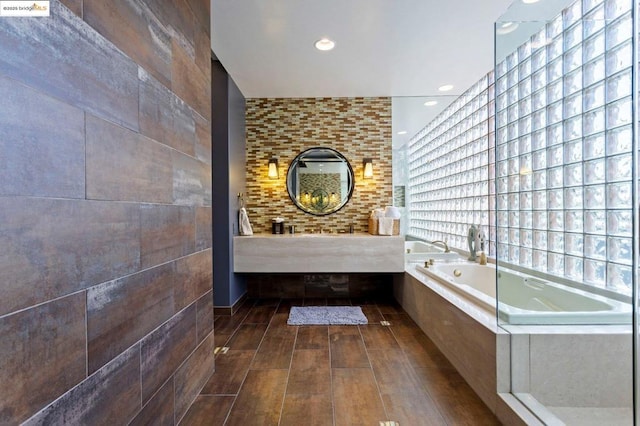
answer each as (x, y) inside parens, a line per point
(594, 20)
(554, 91)
(538, 80)
(619, 195)
(540, 260)
(573, 37)
(595, 272)
(501, 102)
(539, 99)
(594, 47)
(554, 113)
(555, 199)
(524, 107)
(594, 196)
(525, 144)
(594, 97)
(540, 220)
(595, 247)
(574, 244)
(555, 264)
(554, 134)
(594, 146)
(512, 95)
(619, 168)
(615, 8)
(539, 139)
(502, 234)
(539, 179)
(512, 60)
(554, 28)
(524, 125)
(573, 174)
(512, 77)
(503, 252)
(501, 118)
(524, 88)
(573, 127)
(573, 81)
(572, 13)
(502, 152)
(573, 267)
(573, 105)
(619, 31)
(573, 59)
(619, 222)
(619, 58)
(555, 177)
(525, 201)
(526, 257)
(595, 222)
(573, 221)
(502, 135)
(619, 140)
(620, 250)
(526, 219)
(619, 113)
(594, 71)
(514, 219)
(500, 69)
(539, 240)
(594, 171)
(539, 200)
(619, 86)
(514, 254)
(573, 198)
(514, 236)
(555, 48)
(555, 156)
(539, 59)
(524, 69)
(554, 70)
(573, 151)
(619, 278)
(538, 120)
(514, 183)
(556, 220)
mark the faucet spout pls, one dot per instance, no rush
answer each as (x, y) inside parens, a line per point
(444, 243)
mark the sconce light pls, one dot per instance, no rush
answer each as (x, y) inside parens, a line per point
(273, 168)
(368, 168)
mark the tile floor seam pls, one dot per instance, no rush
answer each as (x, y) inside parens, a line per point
(284, 394)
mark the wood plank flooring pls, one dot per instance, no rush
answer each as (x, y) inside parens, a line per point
(275, 374)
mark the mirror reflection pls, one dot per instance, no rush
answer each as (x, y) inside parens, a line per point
(320, 181)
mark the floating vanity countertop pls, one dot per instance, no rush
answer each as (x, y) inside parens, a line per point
(318, 253)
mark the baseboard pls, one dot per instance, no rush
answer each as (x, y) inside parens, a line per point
(230, 310)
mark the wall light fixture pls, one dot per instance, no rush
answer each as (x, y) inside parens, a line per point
(367, 164)
(273, 168)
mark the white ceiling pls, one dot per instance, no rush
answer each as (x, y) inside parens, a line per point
(398, 48)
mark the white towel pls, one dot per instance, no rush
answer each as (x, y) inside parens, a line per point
(385, 226)
(245, 225)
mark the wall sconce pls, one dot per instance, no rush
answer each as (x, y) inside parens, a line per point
(367, 164)
(273, 168)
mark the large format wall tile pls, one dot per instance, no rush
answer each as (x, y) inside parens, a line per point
(165, 349)
(51, 248)
(167, 233)
(52, 55)
(203, 139)
(126, 166)
(204, 227)
(111, 396)
(44, 359)
(129, 25)
(194, 275)
(204, 320)
(190, 82)
(191, 181)
(123, 311)
(165, 117)
(39, 157)
(159, 411)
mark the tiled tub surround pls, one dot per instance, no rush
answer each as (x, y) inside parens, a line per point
(318, 253)
(356, 127)
(105, 213)
(468, 334)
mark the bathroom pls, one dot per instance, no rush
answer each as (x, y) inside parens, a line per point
(108, 264)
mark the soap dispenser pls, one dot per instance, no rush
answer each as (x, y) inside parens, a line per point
(483, 256)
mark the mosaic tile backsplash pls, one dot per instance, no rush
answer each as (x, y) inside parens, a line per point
(356, 127)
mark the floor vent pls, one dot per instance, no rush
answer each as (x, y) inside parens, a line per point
(220, 350)
(389, 423)
(387, 324)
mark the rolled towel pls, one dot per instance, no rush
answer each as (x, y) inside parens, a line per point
(393, 212)
(245, 225)
(385, 226)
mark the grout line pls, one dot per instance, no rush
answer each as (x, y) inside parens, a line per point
(293, 349)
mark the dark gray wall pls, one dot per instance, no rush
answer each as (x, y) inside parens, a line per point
(228, 135)
(106, 313)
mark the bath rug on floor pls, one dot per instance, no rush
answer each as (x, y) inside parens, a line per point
(326, 315)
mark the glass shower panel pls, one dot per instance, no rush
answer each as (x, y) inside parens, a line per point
(565, 185)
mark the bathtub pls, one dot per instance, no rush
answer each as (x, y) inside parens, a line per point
(526, 299)
(418, 251)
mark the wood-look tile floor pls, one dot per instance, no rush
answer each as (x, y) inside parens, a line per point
(275, 374)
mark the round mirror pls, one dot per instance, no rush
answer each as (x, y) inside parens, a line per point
(320, 181)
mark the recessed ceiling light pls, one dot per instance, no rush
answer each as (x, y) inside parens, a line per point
(506, 28)
(431, 103)
(325, 44)
(402, 132)
(445, 88)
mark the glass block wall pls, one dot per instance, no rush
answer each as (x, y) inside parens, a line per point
(448, 169)
(563, 153)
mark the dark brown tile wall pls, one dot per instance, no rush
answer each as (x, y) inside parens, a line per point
(357, 127)
(106, 314)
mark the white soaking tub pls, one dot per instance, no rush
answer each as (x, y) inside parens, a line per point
(526, 299)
